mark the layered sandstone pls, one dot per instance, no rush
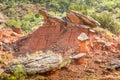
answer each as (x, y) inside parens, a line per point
(57, 34)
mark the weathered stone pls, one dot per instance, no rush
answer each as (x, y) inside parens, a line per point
(98, 44)
(37, 63)
(77, 18)
(4, 40)
(5, 47)
(41, 62)
(83, 43)
(109, 46)
(83, 37)
(102, 66)
(98, 61)
(90, 70)
(114, 64)
(56, 31)
(78, 56)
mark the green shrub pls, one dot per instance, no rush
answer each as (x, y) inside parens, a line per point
(41, 78)
(16, 23)
(79, 8)
(28, 23)
(107, 21)
(18, 74)
(4, 76)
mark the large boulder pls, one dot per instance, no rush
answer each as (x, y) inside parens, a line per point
(57, 34)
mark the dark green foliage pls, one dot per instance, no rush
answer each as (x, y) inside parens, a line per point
(28, 23)
(18, 74)
(18, 11)
(108, 21)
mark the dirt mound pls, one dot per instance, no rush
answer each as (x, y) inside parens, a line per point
(57, 34)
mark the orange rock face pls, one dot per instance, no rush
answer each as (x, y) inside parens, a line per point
(56, 34)
(52, 38)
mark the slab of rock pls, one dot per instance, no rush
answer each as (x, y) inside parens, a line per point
(90, 70)
(98, 61)
(114, 64)
(77, 18)
(38, 63)
(41, 62)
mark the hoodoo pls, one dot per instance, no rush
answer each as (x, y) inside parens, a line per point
(57, 34)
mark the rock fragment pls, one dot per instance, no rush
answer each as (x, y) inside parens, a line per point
(114, 65)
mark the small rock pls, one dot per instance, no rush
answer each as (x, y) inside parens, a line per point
(117, 74)
(98, 61)
(5, 41)
(105, 53)
(83, 37)
(78, 56)
(102, 66)
(90, 70)
(114, 64)
(106, 72)
(1, 71)
(110, 46)
(13, 34)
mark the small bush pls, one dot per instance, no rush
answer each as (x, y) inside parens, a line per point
(107, 21)
(28, 23)
(18, 74)
(16, 23)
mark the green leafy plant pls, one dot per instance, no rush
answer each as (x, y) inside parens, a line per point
(18, 74)
(107, 21)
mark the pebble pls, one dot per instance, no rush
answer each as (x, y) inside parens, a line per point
(90, 70)
(98, 61)
(106, 72)
(102, 66)
(117, 74)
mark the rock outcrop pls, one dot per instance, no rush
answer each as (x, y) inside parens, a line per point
(41, 62)
(57, 34)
